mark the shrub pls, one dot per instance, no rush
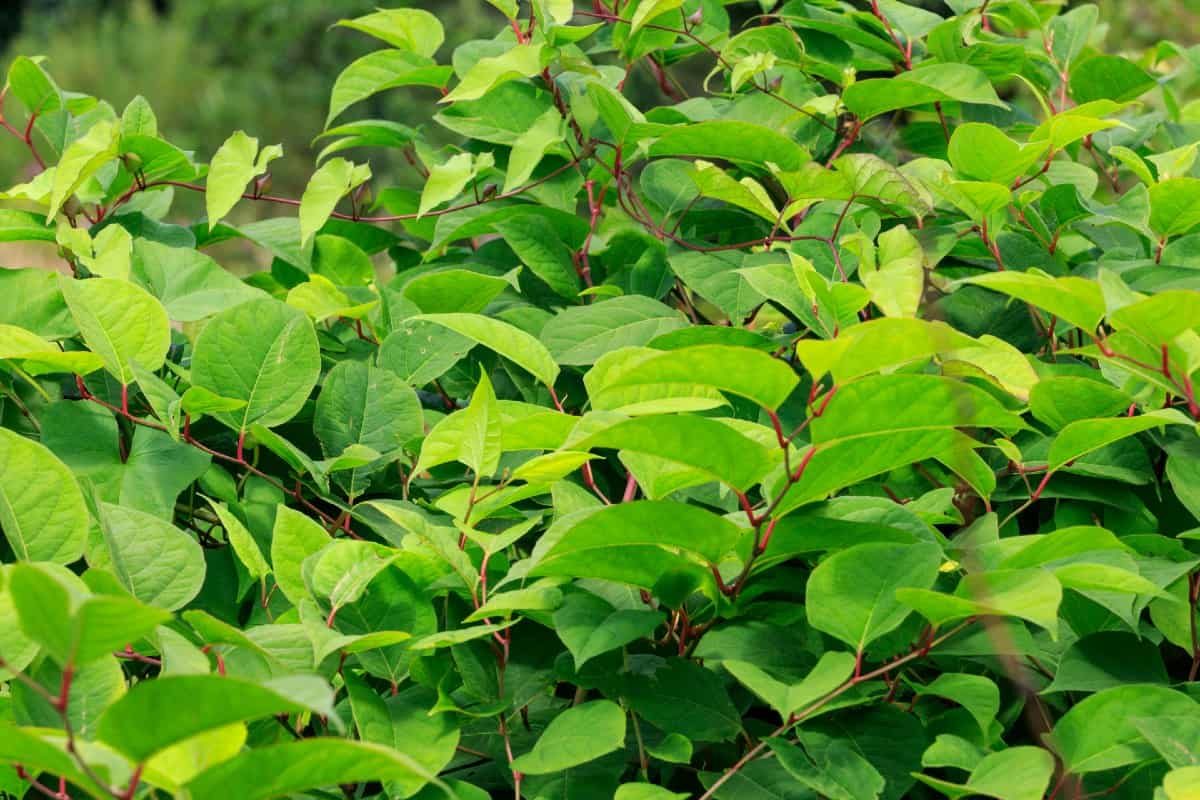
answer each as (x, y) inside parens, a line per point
(827, 428)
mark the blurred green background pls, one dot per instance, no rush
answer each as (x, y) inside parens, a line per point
(209, 67)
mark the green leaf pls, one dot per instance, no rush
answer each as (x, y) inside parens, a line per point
(705, 444)
(983, 152)
(1088, 435)
(1059, 401)
(294, 538)
(739, 142)
(332, 181)
(646, 791)
(841, 774)
(446, 181)
(1099, 732)
(531, 146)
(628, 543)
(1106, 659)
(576, 736)
(243, 543)
(1075, 300)
(263, 353)
(42, 511)
(120, 322)
(481, 434)
(158, 563)
(144, 722)
(364, 405)
(648, 10)
(31, 85)
(742, 371)
(403, 722)
(1016, 773)
(582, 334)
(521, 61)
(978, 695)
(1175, 206)
(831, 671)
(80, 161)
(590, 626)
(534, 240)
(406, 28)
(24, 226)
(685, 698)
(921, 86)
(507, 340)
(235, 164)
(284, 769)
(381, 70)
(189, 284)
(852, 594)
(1032, 594)
(1108, 77)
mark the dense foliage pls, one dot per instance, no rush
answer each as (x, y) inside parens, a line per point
(828, 429)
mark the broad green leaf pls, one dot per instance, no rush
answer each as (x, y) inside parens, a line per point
(189, 284)
(507, 340)
(454, 290)
(284, 769)
(33, 86)
(578, 735)
(921, 86)
(420, 351)
(878, 344)
(1075, 300)
(852, 594)
(158, 563)
(364, 405)
(884, 422)
(446, 181)
(263, 353)
(648, 10)
(332, 181)
(1175, 206)
(646, 791)
(24, 226)
(403, 722)
(1160, 318)
(685, 698)
(531, 146)
(983, 152)
(521, 61)
(295, 537)
(1099, 732)
(697, 370)
(120, 322)
(590, 626)
(42, 511)
(236, 163)
(1016, 773)
(702, 443)
(842, 773)
(634, 542)
(536, 243)
(1059, 401)
(406, 28)
(1087, 435)
(977, 694)
(1107, 659)
(739, 142)
(143, 722)
(1031, 594)
(581, 334)
(383, 69)
(831, 671)
(1109, 77)
(80, 161)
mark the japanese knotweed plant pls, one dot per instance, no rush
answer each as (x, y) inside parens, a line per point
(756, 400)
